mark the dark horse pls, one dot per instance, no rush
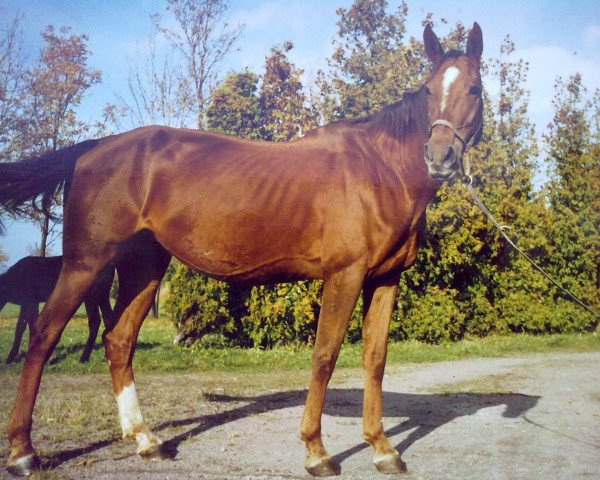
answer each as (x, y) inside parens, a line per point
(30, 282)
(345, 204)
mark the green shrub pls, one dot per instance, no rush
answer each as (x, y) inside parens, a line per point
(434, 318)
(197, 304)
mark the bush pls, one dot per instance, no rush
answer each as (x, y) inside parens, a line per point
(434, 318)
(197, 304)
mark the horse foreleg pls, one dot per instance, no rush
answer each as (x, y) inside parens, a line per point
(378, 305)
(340, 292)
(27, 315)
(93, 316)
(44, 334)
(138, 284)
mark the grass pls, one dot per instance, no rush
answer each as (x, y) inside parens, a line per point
(155, 352)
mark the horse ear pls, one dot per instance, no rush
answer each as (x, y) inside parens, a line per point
(475, 43)
(433, 47)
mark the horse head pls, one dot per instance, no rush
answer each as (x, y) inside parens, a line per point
(454, 104)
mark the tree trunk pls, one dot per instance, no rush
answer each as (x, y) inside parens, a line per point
(45, 232)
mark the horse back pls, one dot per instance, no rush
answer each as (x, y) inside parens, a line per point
(242, 210)
(31, 279)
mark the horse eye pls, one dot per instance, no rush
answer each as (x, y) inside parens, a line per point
(475, 90)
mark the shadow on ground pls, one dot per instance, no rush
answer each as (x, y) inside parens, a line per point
(421, 413)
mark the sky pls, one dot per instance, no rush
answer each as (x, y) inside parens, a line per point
(556, 37)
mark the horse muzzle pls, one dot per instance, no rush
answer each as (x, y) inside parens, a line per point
(443, 156)
(442, 160)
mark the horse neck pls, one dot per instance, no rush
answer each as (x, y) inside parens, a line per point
(405, 157)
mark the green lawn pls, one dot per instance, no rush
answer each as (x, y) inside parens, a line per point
(155, 352)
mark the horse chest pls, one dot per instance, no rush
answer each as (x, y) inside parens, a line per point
(402, 254)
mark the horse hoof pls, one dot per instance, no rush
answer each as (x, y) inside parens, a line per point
(162, 451)
(24, 466)
(390, 464)
(323, 468)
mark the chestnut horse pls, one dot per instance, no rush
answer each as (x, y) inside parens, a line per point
(30, 282)
(345, 204)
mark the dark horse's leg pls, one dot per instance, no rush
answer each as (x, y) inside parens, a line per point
(340, 293)
(378, 304)
(74, 280)
(139, 277)
(93, 315)
(27, 314)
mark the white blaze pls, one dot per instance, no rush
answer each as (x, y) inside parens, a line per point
(450, 76)
(129, 409)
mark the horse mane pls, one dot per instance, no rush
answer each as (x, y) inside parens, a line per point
(396, 120)
(401, 118)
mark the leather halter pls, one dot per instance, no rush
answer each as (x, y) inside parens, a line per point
(448, 124)
(464, 164)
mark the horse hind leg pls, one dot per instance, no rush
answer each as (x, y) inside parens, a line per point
(139, 277)
(74, 280)
(93, 316)
(27, 315)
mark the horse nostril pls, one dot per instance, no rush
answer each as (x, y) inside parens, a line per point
(450, 157)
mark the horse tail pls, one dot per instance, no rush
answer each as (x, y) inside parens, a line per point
(34, 182)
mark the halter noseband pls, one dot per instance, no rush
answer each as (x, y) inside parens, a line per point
(455, 131)
(465, 166)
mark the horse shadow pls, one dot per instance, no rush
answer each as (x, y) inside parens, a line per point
(419, 413)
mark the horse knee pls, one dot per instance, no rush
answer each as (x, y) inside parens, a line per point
(374, 363)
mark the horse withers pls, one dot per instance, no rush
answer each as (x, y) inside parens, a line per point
(345, 204)
(30, 281)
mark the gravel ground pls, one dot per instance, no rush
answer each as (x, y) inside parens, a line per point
(532, 417)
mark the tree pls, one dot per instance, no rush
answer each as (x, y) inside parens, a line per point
(158, 92)
(54, 88)
(372, 65)
(12, 72)
(233, 107)
(574, 192)
(282, 101)
(203, 39)
(3, 259)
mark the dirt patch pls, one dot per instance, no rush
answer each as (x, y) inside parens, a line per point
(533, 417)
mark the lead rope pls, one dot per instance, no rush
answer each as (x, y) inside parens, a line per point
(468, 183)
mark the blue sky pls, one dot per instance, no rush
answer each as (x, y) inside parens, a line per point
(557, 38)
